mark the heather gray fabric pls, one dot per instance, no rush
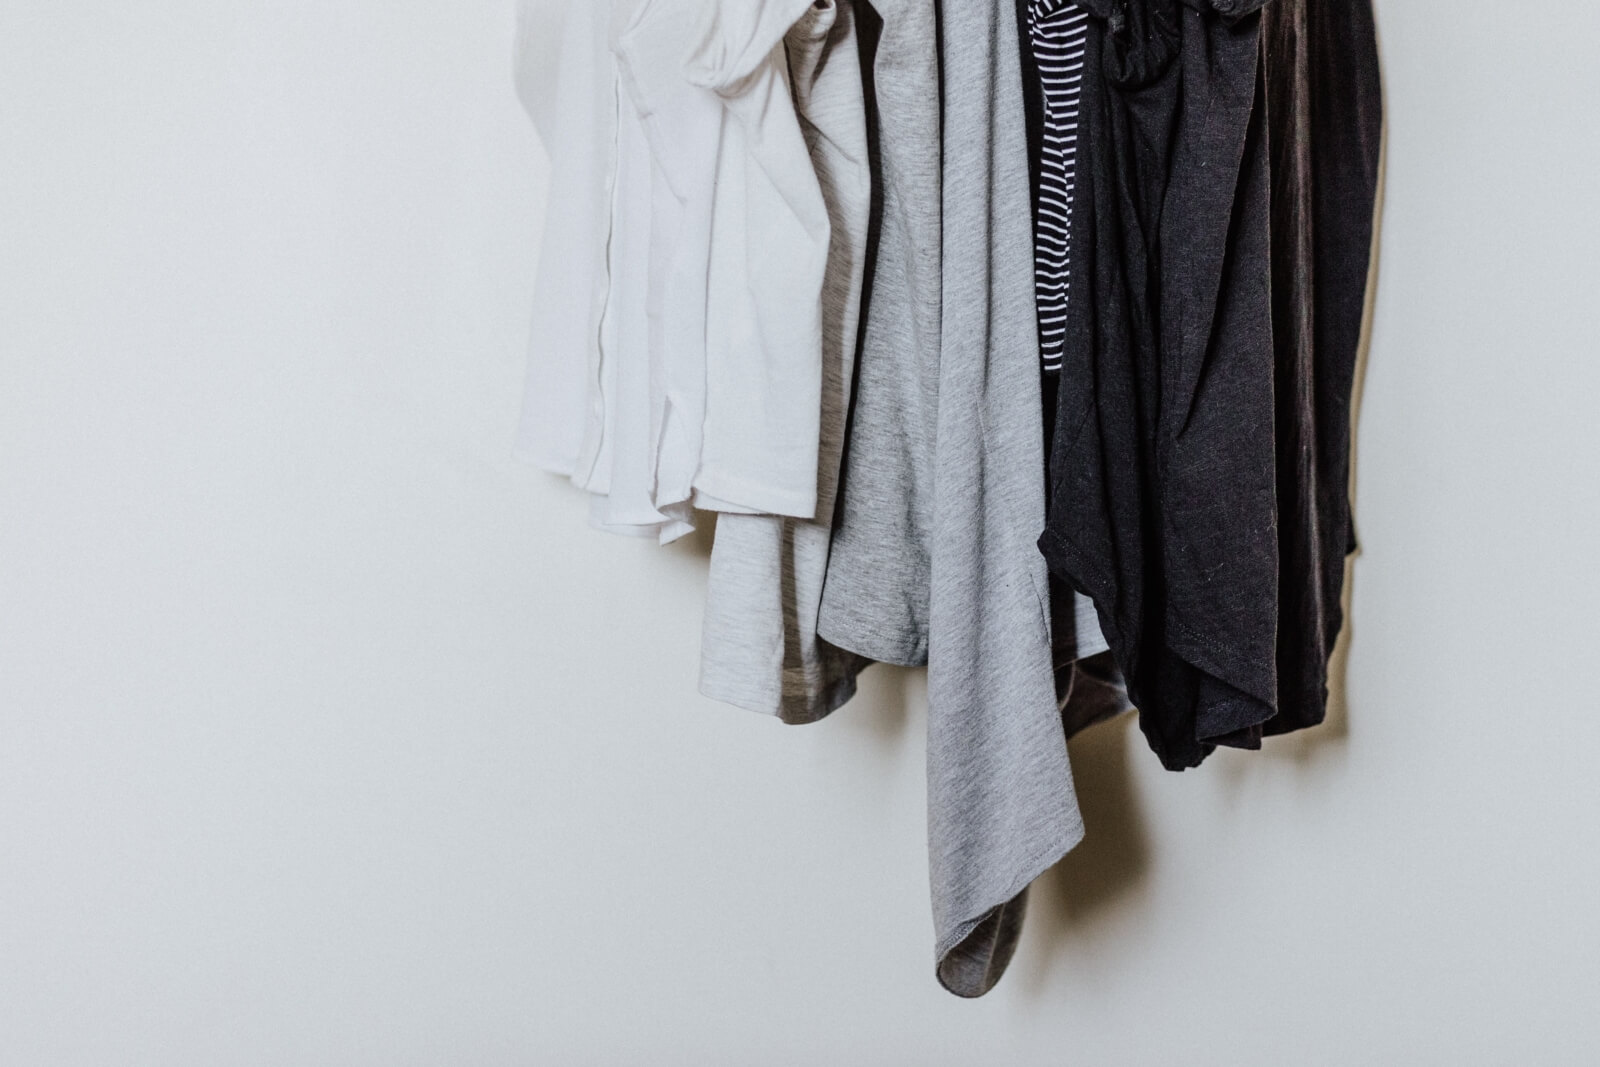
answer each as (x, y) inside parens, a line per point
(1000, 796)
(875, 601)
(759, 648)
(943, 486)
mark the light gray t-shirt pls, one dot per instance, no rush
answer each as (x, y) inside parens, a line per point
(934, 555)
(1001, 803)
(759, 648)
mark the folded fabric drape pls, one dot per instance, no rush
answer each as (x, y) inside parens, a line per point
(769, 254)
(821, 267)
(676, 349)
(1192, 498)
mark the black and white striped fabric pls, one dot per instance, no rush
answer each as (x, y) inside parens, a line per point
(1057, 31)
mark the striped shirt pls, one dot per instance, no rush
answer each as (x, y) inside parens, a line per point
(1057, 31)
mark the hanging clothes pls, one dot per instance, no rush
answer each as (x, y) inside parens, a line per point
(875, 600)
(760, 648)
(587, 406)
(1164, 131)
(1323, 98)
(676, 346)
(1156, 277)
(769, 253)
(1167, 502)
(1001, 803)
(682, 123)
(566, 80)
(632, 394)
(1057, 36)
(943, 488)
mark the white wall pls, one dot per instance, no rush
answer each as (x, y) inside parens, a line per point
(330, 735)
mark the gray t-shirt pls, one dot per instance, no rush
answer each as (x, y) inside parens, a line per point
(943, 493)
(875, 601)
(1001, 803)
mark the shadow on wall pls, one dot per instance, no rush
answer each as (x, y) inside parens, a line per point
(697, 543)
(1108, 869)
(884, 716)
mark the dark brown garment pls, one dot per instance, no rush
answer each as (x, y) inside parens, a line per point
(1202, 426)
(1324, 104)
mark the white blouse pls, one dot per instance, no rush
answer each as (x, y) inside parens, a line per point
(676, 356)
(769, 250)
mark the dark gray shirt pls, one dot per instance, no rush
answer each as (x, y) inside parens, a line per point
(1194, 497)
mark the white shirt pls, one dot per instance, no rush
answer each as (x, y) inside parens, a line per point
(633, 388)
(588, 406)
(769, 248)
(676, 350)
(566, 78)
(683, 125)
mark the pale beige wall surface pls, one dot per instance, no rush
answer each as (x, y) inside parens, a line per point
(331, 735)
